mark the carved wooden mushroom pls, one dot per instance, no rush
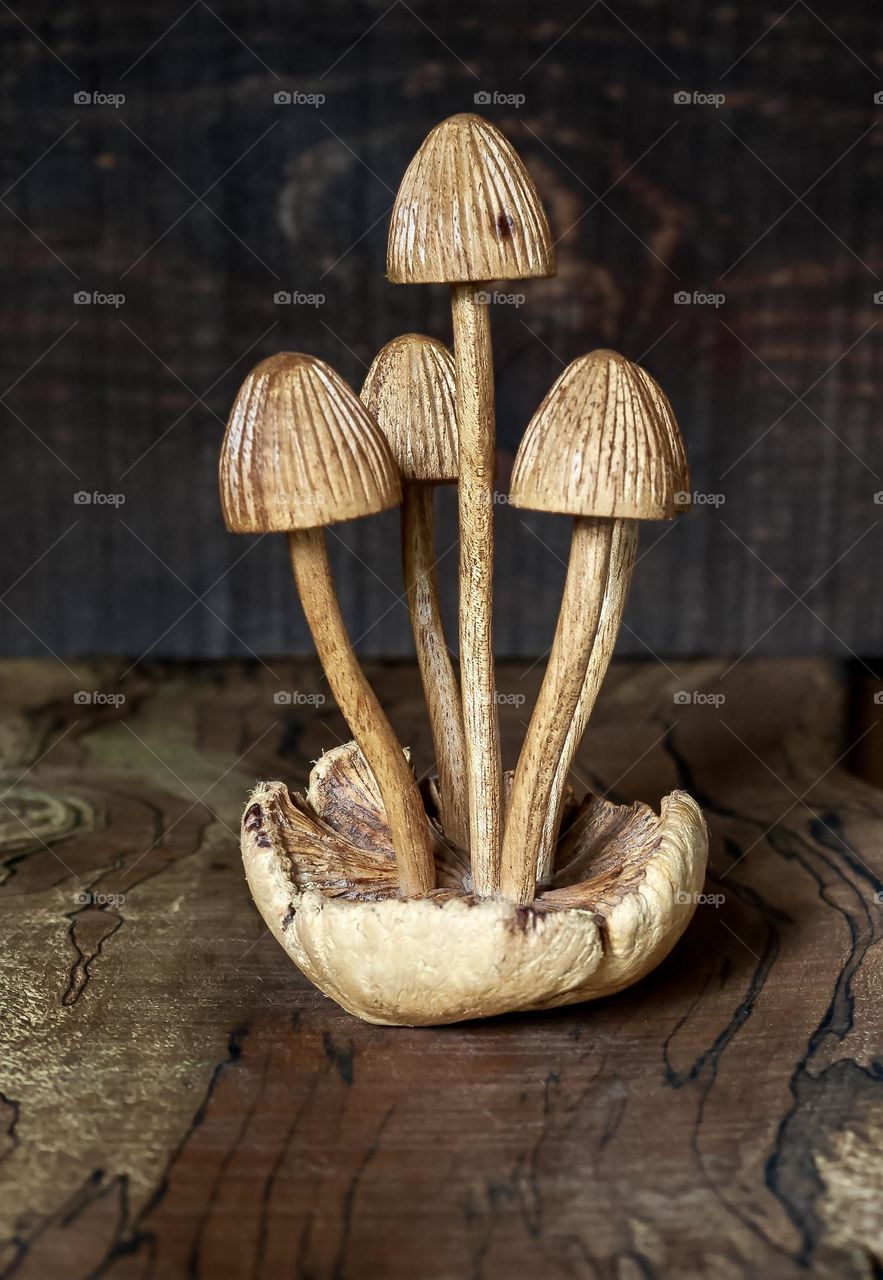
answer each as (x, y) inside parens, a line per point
(301, 452)
(599, 449)
(467, 213)
(409, 390)
(623, 548)
(624, 890)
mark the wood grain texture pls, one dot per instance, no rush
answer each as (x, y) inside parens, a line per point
(300, 451)
(604, 442)
(441, 687)
(683, 202)
(410, 389)
(194, 1108)
(467, 210)
(406, 816)
(623, 546)
(474, 376)
(610, 917)
(576, 633)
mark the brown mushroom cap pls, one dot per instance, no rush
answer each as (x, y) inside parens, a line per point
(301, 451)
(410, 391)
(467, 209)
(604, 442)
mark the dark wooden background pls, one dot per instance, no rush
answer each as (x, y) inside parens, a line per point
(199, 198)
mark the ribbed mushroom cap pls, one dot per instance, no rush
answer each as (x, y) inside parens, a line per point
(302, 451)
(604, 442)
(410, 391)
(467, 210)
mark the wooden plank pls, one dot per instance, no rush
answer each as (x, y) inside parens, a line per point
(177, 1101)
(684, 202)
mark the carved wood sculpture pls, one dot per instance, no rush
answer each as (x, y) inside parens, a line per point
(420, 909)
(467, 213)
(410, 391)
(300, 452)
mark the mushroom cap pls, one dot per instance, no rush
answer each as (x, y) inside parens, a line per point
(409, 390)
(449, 957)
(301, 450)
(604, 442)
(467, 209)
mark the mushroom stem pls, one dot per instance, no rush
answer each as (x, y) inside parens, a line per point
(559, 694)
(619, 578)
(372, 731)
(440, 686)
(474, 377)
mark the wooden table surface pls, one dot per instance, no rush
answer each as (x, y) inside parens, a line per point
(178, 1101)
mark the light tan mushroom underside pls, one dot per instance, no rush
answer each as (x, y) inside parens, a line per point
(322, 873)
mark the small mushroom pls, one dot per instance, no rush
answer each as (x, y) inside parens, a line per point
(603, 447)
(301, 452)
(466, 213)
(409, 391)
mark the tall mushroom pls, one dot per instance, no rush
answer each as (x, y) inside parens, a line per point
(409, 390)
(603, 447)
(301, 452)
(467, 213)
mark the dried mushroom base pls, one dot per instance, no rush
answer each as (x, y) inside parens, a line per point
(322, 872)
